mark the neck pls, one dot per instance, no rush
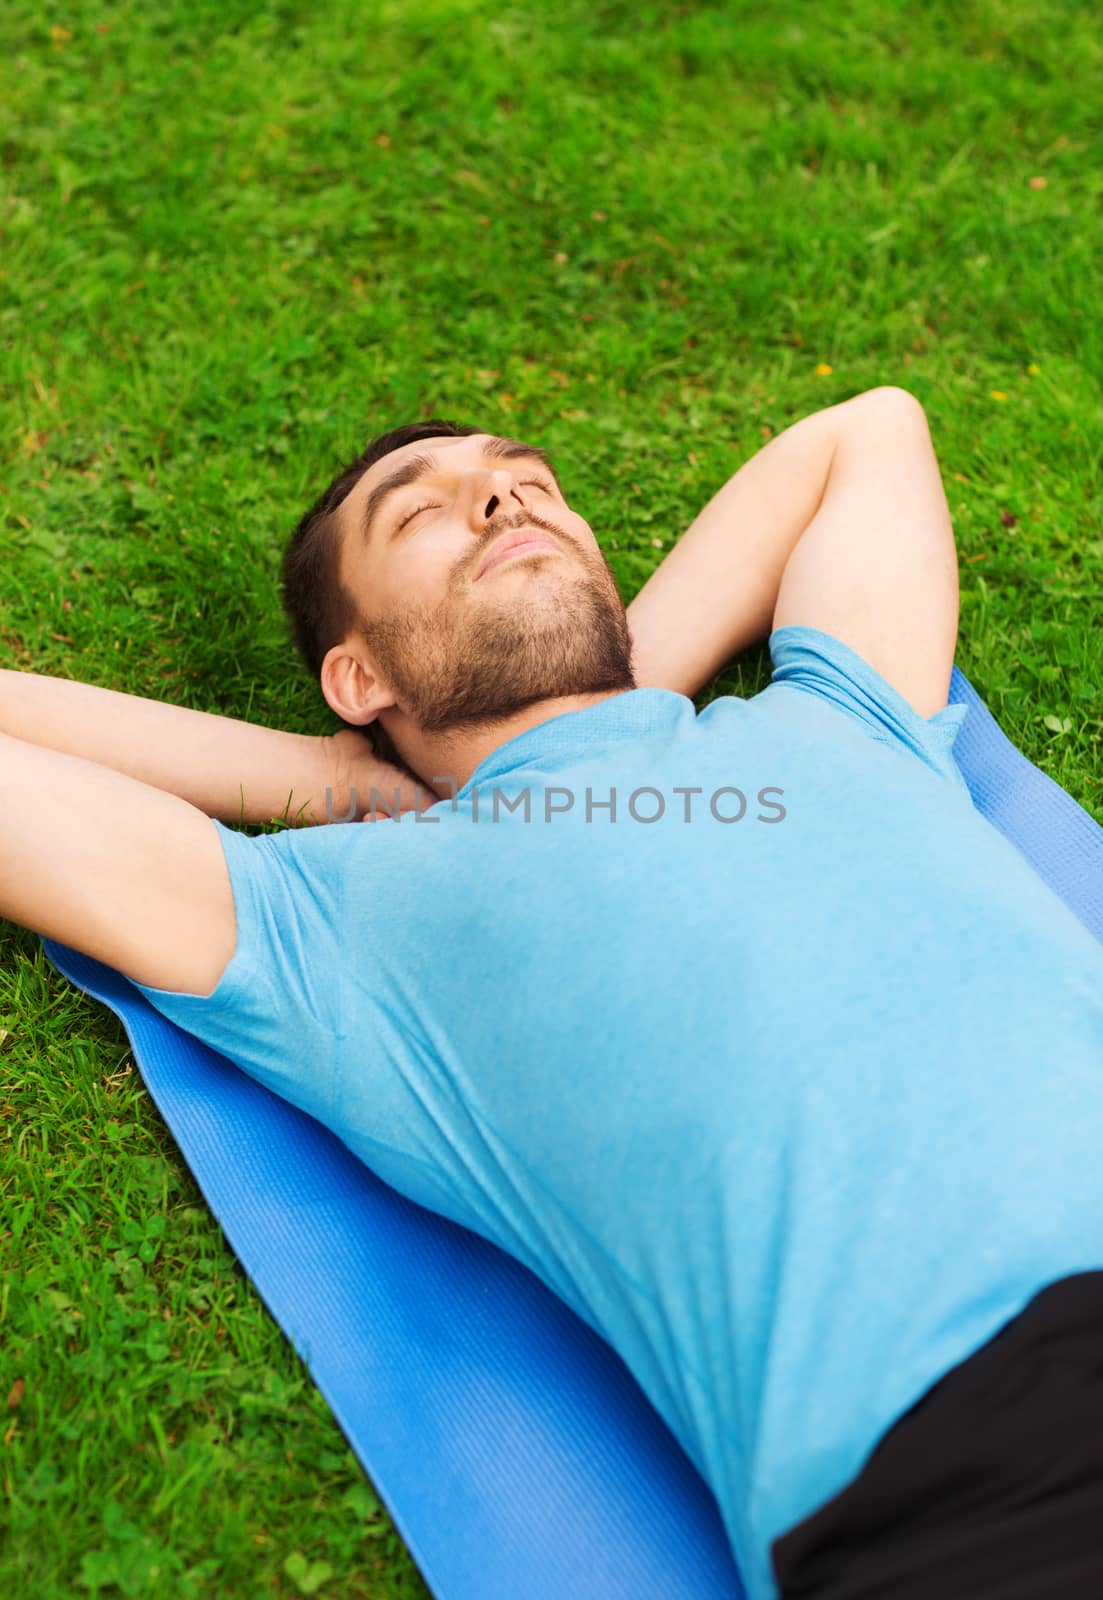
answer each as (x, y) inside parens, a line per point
(445, 761)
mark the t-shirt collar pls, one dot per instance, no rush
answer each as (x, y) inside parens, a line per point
(620, 717)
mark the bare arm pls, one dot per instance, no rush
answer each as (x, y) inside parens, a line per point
(714, 594)
(233, 770)
(119, 870)
(840, 523)
(877, 565)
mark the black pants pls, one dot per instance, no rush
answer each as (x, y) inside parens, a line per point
(989, 1488)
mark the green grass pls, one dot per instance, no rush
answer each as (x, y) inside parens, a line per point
(234, 243)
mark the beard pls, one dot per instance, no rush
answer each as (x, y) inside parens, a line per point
(458, 664)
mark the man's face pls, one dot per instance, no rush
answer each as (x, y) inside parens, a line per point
(456, 628)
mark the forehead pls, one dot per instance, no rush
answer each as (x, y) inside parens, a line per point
(367, 502)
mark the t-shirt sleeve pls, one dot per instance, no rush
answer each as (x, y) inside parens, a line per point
(816, 663)
(275, 1011)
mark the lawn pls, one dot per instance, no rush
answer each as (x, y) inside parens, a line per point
(238, 240)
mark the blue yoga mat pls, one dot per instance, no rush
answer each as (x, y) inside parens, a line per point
(513, 1449)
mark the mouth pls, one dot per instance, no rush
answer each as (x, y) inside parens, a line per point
(519, 541)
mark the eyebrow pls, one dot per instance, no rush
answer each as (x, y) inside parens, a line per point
(419, 466)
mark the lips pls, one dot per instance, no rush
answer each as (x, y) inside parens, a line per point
(529, 539)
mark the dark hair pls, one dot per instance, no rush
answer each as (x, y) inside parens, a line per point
(319, 608)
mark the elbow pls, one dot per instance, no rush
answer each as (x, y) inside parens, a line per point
(891, 397)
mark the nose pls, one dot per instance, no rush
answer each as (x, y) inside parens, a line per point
(499, 490)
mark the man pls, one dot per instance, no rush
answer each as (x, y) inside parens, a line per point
(744, 1031)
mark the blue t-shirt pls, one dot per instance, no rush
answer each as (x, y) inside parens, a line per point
(744, 1031)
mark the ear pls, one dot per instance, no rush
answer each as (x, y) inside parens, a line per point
(352, 687)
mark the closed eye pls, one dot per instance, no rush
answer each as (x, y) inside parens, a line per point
(529, 483)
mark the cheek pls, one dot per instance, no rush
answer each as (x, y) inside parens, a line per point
(581, 533)
(584, 539)
(424, 571)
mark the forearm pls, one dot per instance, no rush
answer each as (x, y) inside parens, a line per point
(715, 593)
(233, 770)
